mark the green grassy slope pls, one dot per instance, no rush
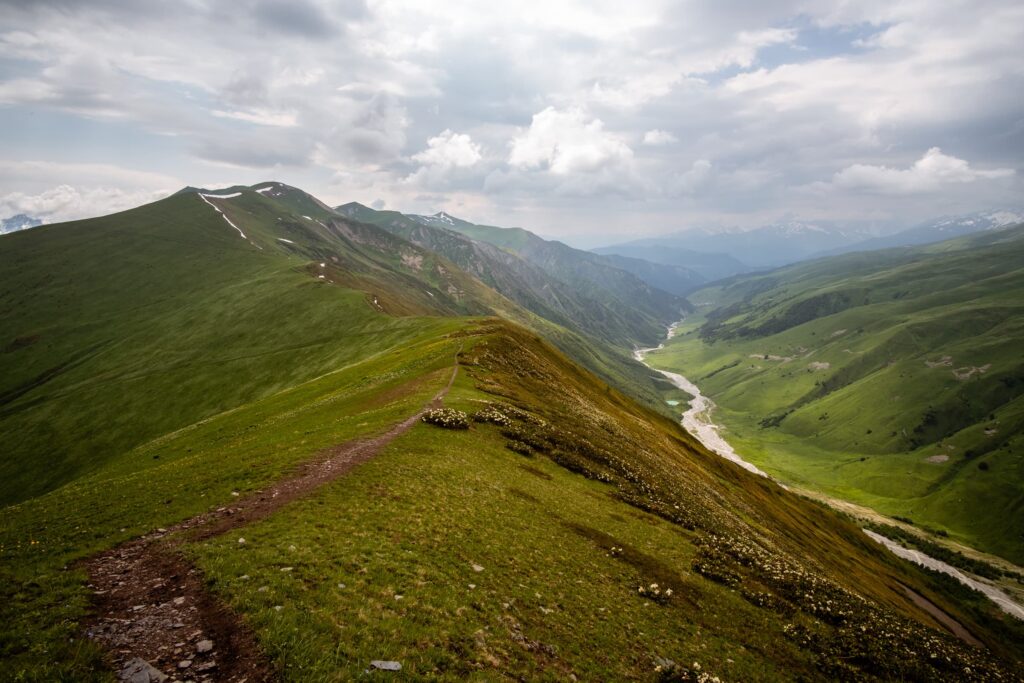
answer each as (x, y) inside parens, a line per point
(764, 584)
(117, 329)
(646, 308)
(235, 362)
(891, 378)
(530, 286)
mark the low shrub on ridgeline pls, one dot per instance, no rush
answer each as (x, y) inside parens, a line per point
(447, 418)
(492, 415)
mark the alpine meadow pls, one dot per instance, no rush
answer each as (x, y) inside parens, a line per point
(286, 393)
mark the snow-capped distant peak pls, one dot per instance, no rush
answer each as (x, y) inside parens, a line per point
(18, 222)
(975, 222)
(442, 217)
(1000, 219)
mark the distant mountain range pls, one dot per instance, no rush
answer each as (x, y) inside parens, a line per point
(768, 246)
(716, 254)
(937, 230)
(706, 266)
(18, 222)
(565, 285)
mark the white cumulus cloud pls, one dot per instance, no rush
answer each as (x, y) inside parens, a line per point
(450, 150)
(931, 172)
(567, 142)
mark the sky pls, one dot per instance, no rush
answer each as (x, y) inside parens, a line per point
(591, 121)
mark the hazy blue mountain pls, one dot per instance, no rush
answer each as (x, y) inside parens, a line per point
(939, 229)
(709, 266)
(18, 222)
(764, 247)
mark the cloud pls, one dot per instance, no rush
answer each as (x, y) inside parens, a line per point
(447, 163)
(37, 176)
(658, 138)
(260, 117)
(567, 142)
(65, 203)
(930, 173)
(568, 106)
(299, 17)
(692, 180)
(450, 150)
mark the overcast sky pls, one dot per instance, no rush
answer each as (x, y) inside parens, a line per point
(586, 120)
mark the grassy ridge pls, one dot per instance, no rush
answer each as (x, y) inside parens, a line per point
(183, 319)
(319, 333)
(177, 476)
(893, 379)
(564, 539)
(459, 557)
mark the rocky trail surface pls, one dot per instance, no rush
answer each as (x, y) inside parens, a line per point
(152, 612)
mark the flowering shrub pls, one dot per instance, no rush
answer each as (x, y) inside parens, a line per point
(448, 418)
(654, 592)
(492, 415)
(520, 448)
(670, 672)
(847, 636)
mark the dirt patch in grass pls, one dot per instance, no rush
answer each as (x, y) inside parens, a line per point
(951, 624)
(151, 603)
(536, 472)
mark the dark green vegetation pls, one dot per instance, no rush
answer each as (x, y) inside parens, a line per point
(893, 378)
(517, 547)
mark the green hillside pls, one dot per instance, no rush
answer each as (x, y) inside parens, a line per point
(646, 308)
(892, 378)
(119, 329)
(526, 284)
(568, 531)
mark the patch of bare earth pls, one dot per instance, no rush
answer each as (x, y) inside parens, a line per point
(151, 609)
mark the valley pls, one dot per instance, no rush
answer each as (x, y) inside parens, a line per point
(242, 449)
(806, 363)
(570, 342)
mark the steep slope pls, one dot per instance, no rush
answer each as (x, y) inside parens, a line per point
(708, 266)
(519, 280)
(673, 279)
(577, 534)
(188, 283)
(891, 378)
(646, 309)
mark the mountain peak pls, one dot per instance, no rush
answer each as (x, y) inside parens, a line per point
(18, 222)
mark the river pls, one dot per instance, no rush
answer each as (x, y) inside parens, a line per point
(997, 596)
(697, 421)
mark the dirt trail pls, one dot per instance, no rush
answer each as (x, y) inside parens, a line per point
(151, 606)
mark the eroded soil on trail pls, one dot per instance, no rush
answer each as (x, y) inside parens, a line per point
(151, 604)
